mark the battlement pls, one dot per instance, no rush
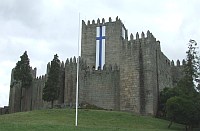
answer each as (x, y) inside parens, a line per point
(70, 61)
(83, 65)
(149, 35)
(42, 77)
(98, 22)
(34, 72)
(106, 68)
(140, 41)
(178, 63)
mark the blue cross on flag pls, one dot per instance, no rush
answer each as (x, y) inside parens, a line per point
(100, 47)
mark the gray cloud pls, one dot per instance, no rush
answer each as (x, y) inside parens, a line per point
(25, 11)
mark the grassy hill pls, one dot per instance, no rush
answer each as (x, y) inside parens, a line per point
(89, 120)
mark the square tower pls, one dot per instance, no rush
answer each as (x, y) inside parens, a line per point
(101, 42)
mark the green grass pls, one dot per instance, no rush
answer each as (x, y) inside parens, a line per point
(89, 120)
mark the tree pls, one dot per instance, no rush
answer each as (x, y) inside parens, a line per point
(22, 73)
(185, 106)
(52, 86)
(191, 70)
(182, 110)
(164, 96)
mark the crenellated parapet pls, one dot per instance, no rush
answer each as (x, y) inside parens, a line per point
(34, 72)
(41, 78)
(107, 68)
(149, 35)
(178, 63)
(142, 39)
(177, 71)
(72, 63)
(100, 22)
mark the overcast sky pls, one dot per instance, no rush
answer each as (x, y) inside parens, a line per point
(46, 27)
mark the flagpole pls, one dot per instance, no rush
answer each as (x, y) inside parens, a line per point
(76, 121)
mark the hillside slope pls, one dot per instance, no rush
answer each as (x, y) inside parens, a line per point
(89, 120)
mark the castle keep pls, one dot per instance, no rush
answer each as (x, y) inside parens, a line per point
(116, 72)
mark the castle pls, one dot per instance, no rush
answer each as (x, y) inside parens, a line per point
(116, 72)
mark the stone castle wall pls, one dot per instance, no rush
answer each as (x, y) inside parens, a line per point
(96, 87)
(149, 82)
(129, 77)
(37, 88)
(70, 82)
(134, 73)
(20, 98)
(14, 98)
(138, 74)
(176, 71)
(100, 87)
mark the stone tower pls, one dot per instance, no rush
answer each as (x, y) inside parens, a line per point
(144, 69)
(101, 42)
